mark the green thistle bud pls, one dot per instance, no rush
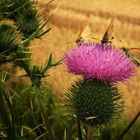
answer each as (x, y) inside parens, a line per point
(28, 24)
(94, 102)
(23, 12)
(8, 38)
(11, 49)
(9, 41)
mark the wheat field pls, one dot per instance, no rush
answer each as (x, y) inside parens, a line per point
(67, 22)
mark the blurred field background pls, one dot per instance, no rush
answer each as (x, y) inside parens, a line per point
(68, 20)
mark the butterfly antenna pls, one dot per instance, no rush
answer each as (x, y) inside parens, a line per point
(123, 45)
(108, 32)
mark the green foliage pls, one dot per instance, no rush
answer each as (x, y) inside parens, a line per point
(19, 25)
(27, 122)
(31, 112)
(23, 12)
(25, 114)
(8, 39)
(125, 131)
(95, 102)
(113, 132)
(11, 49)
(38, 72)
(8, 43)
(28, 23)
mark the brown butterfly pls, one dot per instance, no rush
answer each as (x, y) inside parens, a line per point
(133, 54)
(84, 35)
(107, 37)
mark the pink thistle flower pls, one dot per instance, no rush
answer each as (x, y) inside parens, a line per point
(99, 61)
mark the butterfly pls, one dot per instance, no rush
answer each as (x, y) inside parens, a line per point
(107, 37)
(84, 36)
(133, 54)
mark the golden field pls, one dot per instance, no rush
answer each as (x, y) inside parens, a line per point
(69, 18)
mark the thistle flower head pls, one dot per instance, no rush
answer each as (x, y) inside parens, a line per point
(98, 61)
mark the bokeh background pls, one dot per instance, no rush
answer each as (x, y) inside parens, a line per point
(69, 18)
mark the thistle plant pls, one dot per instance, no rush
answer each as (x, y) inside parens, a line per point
(19, 25)
(95, 99)
(31, 112)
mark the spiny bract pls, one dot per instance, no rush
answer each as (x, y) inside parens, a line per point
(95, 102)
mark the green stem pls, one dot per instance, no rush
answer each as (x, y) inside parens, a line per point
(89, 133)
(33, 116)
(79, 129)
(10, 124)
(43, 116)
(123, 133)
(25, 66)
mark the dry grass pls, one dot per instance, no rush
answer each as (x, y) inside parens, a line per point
(67, 22)
(122, 7)
(73, 18)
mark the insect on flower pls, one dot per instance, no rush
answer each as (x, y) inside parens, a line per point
(84, 36)
(107, 37)
(86, 60)
(134, 54)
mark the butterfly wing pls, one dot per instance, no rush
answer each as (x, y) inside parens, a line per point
(135, 54)
(84, 35)
(108, 33)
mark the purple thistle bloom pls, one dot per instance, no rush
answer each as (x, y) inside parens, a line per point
(99, 61)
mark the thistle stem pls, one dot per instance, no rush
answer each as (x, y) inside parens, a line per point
(44, 117)
(89, 133)
(10, 124)
(79, 129)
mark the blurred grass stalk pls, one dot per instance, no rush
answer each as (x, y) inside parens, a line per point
(125, 131)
